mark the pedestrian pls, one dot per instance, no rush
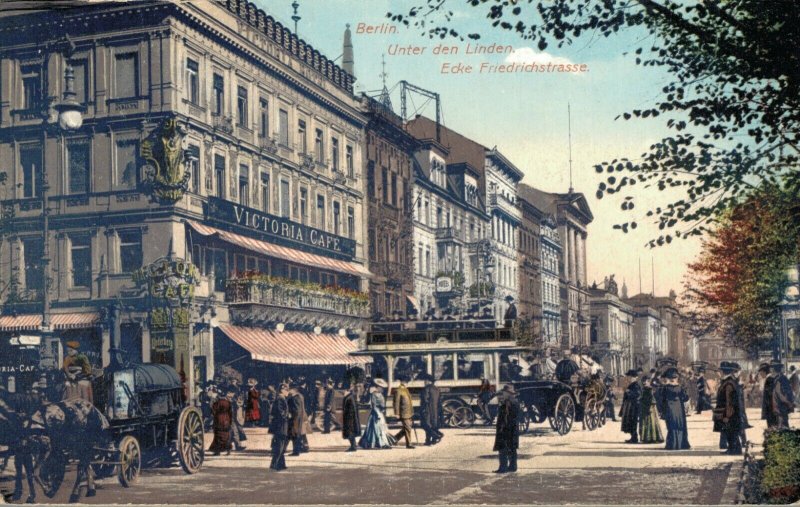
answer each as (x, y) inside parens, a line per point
(376, 434)
(745, 422)
(511, 312)
(318, 403)
(485, 393)
(673, 411)
(403, 410)
(794, 381)
(78, 371)
(297, 420)
(253, 409)
(608, 404)
(506, 440)
(267, 398)
(237, 423)
(351, 422)
(727, 414)
(649, 426)
(327, 407)
(703, 395)
(279, 427)
(629, 412)
(430, 412)
(222, 415)
(782, 396)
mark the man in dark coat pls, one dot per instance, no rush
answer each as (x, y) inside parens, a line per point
(327, 407)
(782, 396)
(703, 396)
(430, 411)
(629, 412)
(297, 420)
(727, 414)
(506, 440)
(279, 427)
(673, 411)
(351, 423)
(511, 312)
(608, 404)
(766, 396)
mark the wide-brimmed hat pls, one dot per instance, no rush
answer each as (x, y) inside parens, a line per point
(776, 364)
(632, 373)
(74, 344)
(283, 386)
(671, 373)
(763, 367)
(380, 383)
(509, 298)
(252, 382)
(509, 388)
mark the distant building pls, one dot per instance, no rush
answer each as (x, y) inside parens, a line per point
(612, 329)
(651, 335)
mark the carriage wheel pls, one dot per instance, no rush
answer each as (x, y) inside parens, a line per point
(130, 460)
(563, 414)
(602, 415)
(50, 473)
(190, 444)
(463, 417)
(449, 409)
(590, 414)
(524, 420)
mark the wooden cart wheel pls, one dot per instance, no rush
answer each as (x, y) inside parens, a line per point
(50, 473)
(449, 408)
(463, 417)
(190, 443)
(563, 414)
(524, 419)
(130, 461)
(590, 414)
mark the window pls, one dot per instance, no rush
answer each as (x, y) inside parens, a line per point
(81, 257)
(385, 184)
(443, 367)
(126, 75)
(303, 204)
(244, 185)
(79, 85)
(263, 124)
(30, 159)
(78, 167)
(283, 126)
(192, 81)
(351, 222)
(394, 189)
(419, 260)
(265, 192)
(34, 273)
(321, 211)
(336, 217)
(301, 137)
(194, 168)
(31, 87)
(285, 198)
(348, 161)
(219, 175)
(427, 263)
(130, 251)
(371, 180)
(335, 153)
(219, 95)
(126, 163)
(241, 107)
(319, 146)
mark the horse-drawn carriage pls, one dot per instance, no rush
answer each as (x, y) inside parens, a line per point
(146, 418)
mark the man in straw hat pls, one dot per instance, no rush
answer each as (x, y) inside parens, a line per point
(506, 440)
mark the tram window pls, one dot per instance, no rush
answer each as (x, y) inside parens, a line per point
(379, 368)
(472, 366)
(409, 366)
(443, 367)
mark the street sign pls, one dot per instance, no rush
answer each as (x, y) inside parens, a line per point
(444, 284)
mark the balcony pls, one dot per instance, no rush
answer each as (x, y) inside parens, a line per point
(504, 204)
(284, 293)
(222, 123)
(449, 234)
(473, 338)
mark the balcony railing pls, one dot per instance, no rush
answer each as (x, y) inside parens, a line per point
(449, 233)
(501, 201)
(289, 294)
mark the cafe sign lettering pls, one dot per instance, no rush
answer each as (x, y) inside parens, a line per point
(280, 227)
(168, 278)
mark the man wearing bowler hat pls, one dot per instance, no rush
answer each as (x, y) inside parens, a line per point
(728, 412)
(506, 440)
(629, 412)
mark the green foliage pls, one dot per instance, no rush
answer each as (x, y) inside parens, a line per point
(780, 480)
(481, 289)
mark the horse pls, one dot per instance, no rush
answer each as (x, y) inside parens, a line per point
(13, 436)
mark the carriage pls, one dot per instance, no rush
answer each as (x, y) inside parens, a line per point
(589, 393)
(148, 422)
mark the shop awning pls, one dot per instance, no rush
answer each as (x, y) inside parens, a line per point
(282, 252)
(294, 347)
(59, 321)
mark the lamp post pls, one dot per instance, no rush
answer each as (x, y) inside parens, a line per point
(69, 117)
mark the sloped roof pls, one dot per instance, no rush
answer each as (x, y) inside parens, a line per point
(462, 149)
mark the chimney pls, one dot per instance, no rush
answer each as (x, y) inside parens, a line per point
(347, 53)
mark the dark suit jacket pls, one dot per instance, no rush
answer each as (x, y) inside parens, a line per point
(351, 424)
(429, 407)
(279, 417)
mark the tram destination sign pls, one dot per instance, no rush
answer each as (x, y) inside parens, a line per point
(286, 231)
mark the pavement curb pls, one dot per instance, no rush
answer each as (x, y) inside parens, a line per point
(730, 495)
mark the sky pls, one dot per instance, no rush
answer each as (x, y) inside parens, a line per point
(525, 115)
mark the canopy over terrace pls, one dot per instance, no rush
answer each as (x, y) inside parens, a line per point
(33, 322)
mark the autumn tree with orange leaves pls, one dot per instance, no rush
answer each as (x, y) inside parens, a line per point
(735, 288)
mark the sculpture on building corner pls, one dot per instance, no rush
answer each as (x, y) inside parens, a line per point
(165, 170)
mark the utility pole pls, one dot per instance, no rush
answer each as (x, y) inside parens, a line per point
(569, 141)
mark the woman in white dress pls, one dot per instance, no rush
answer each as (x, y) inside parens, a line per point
(376, 434)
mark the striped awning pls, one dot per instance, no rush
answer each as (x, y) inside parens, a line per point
(294, 347)
(59, 321)
(282, 252)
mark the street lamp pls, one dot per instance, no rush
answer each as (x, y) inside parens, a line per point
(69, 118)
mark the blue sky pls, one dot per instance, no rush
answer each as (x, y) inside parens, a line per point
(525, 115)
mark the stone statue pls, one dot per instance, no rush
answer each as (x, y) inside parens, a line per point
(165, 171)
(611, 286)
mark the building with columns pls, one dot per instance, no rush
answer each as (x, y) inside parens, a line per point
(612, 329)
(214, 190)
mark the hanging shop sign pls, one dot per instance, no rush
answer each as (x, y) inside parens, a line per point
(281, 228)
(444, 284)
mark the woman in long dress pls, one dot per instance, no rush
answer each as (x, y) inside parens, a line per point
(649, 427)
(673, 410)
(376, 434)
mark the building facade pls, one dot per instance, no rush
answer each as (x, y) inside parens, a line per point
(612, 329)
(217, 147)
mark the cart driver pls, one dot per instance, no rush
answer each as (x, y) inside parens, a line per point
(79, 372)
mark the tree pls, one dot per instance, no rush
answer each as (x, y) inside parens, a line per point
(733, 106)
(735, 288)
